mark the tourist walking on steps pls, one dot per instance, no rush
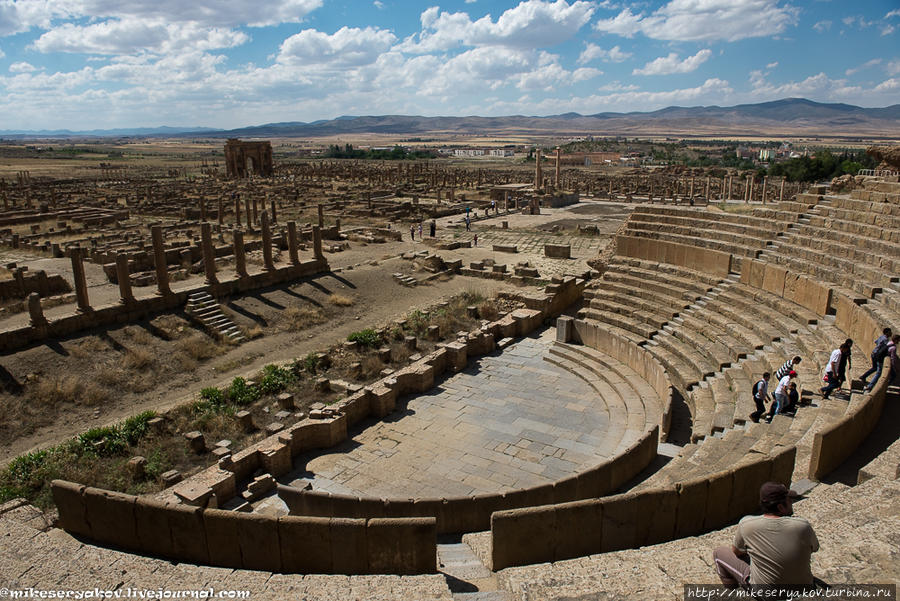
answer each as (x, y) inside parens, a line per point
(770, 549)
(832, 377)
(895, 360)
(781, 395)
(787, 367)
(760, 395)
(879, 353)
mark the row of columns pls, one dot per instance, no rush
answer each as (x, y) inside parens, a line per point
(76, 255)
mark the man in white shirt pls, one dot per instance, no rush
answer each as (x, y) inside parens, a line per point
(833, 377)
(781, 395)
(769, 549)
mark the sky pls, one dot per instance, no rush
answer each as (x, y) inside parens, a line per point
(102, 64)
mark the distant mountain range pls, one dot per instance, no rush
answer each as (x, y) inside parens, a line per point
(787, 117)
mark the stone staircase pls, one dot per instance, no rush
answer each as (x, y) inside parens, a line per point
(205, 310)
(405, 280)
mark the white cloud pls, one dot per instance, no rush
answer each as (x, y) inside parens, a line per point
(2, 54)
(22, 67)
(530, 24)
(822, 26)
(667, 65)
(772, 65)
(865, 65)
(893, 13)
(893, 67)
(887, 29)
(347, 47)
(131, 36)
(593, 52)
(379, 4)
(695, 20)
(471, 1)
(889, 85)
(21, 15)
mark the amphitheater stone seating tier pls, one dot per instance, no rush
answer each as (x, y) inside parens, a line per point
(870, 511)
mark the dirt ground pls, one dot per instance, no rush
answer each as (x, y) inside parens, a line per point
(159, 363)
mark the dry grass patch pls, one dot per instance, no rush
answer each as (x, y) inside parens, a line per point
(199, 347)
(49, 392)
(138, 359)
(340, 300)
(294, 319)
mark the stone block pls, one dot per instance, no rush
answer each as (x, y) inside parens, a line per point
(558, 251)
(170, 478)
(523, 536)
(401, 545)
(286, 401)
(136, 466)
(305, 545)
(111, 516)
(245, 418)
(187, 533)
(691, 507)
(196, 441)
(152, 526)
(619, 529)
(565, 328)
(223, 537)
(275, 457)
(69, 500)
(578, 529)
(349, 552)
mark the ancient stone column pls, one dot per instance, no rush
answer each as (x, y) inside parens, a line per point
(764, 185)
(202, 209)
(240, 258)
(255, 211)
(274, 214)
(558, 161)
(292, 242)
(691, 191)
(81, 292)
(209, 253)
(781, 192)
(538, 176)
(268, 264)
(159, 259)
(249, 213)
(317, 243)
(321, 211)
(221, 213)
(124, 277)
(35, 311)
(707, 188)
(730, 181)
(237, 211)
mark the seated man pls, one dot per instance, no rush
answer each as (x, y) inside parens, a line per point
(793, 398)
(769, 549)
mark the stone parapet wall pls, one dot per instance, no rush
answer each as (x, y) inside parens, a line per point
(245, 540)
(473, 513)
(635, 519)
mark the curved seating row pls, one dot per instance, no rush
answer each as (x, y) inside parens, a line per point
(638, 394)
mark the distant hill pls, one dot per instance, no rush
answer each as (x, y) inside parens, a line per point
(790, 116)
(140, 132)
(787, 117)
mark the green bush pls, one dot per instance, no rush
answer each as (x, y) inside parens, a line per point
(241, 393)
(368, 338)
(275, 379)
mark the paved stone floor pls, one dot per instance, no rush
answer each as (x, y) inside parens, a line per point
(510, 420)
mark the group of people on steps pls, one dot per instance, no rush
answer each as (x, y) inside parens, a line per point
(785, 398)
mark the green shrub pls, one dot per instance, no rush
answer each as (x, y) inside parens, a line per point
(367, 338)
(212, 395)
(275, 379)
(241, 393)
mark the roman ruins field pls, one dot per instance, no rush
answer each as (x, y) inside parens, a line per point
(226, 365)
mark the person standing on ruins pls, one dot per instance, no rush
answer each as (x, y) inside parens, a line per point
(770, 549)
(787, 367)
(781, 395)
(760, 394)
(832, 377)
(878, 355)
(895, 360)
(412, 232)
(420, 231)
